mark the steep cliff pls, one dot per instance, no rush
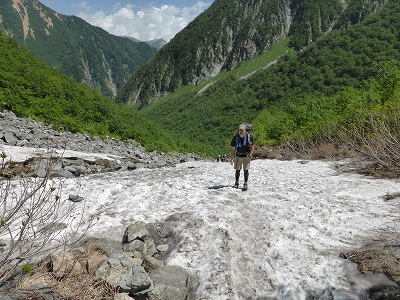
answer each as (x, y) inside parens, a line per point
(233, 31)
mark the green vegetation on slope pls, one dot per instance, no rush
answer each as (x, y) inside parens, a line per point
(341, 60)
(29, 88)
(231, 32)
(204, 113)
(303, 95)
(84, 52)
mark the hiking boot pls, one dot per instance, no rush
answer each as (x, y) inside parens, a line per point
(245, 186)
(236, 185)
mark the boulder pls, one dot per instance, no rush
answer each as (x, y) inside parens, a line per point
(170, 282)
(64, 264)
(121, 271)
(135, 231)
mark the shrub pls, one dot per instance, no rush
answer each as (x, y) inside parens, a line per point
(34, 217)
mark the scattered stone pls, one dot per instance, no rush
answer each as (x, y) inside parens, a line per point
(75, 198)
(163, 247)
(123, 155)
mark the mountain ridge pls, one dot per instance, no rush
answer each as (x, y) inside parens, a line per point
(229, 33)
(86, 53)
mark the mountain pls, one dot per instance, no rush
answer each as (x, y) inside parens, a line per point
(286, 92)
(31, 89)
(231, 32)
(157, 43)
(86, 53)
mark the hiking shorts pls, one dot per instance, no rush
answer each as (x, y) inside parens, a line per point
(241, 161)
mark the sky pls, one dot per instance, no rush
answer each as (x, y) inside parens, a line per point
(281, 239)
(142, 19)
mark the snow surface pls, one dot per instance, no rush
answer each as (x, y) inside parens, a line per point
(281, 239)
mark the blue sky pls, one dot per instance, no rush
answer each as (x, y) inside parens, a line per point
(141, 19)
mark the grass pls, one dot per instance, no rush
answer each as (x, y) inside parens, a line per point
(243, 70)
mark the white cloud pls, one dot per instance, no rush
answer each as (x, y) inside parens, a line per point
(82, 5)
(148, 22)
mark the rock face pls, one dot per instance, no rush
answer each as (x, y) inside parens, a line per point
(128, 155)
(236, 32)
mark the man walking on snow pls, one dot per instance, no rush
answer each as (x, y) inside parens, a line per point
(242, 147)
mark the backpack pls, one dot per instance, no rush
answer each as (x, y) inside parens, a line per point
(249, 131)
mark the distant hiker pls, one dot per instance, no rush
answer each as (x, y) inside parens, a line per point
(242, 147)
(221, 158)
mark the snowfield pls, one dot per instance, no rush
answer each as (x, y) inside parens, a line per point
(281, 239)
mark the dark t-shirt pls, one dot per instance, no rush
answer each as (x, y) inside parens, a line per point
(242, 148)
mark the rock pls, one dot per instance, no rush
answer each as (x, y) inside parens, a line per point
(10, 139)
(165, 230)
(162, 248)
(151, 263)
(75, 198)
(21, 132)
(35, 291)
(135, 245)
(63, 264)
(94, 261)
(384, 293)
(149, 247)
(121, 296)
(134, 273)
(135, 231)
(103, 245)
(170, 282)
(121, 271)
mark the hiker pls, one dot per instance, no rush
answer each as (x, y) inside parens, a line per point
(242, 147)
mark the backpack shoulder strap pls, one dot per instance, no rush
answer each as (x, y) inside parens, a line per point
(237, 140)
(249, 139)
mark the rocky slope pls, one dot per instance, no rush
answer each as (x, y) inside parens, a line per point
(51, 143)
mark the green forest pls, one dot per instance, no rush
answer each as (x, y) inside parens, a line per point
(84, 52)
(303, 94)
(30, 88)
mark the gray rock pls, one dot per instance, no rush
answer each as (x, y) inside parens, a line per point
(121, 296)
(135, 231)
(165, 230)
(170, 282)
(121, 271)
(75, 198)
(42, 167)
(103, 245)
(151, 263)
(25, 133)
(135, 245)
(389, 292)
(163, 247)
(10, 139)
(63, 173)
